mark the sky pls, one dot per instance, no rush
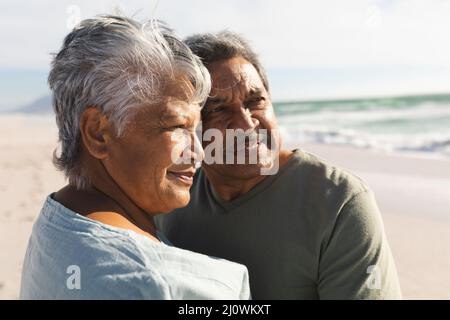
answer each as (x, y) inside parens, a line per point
(311, 49)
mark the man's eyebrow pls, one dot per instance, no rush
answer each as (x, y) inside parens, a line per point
(215, 101)
(255, 92)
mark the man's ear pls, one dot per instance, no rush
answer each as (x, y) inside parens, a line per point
(95, 132)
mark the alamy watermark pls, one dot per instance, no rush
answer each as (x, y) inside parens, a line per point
(73, 281)
(374, 279)
(250, 147)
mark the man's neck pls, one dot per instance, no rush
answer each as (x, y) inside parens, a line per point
(229, 188)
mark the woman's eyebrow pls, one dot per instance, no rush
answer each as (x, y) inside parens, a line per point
(167, 117)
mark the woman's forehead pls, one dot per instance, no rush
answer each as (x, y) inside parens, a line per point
(178, 110)
(180, 88)
(174, 107)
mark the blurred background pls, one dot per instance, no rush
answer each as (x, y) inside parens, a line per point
(363, 84)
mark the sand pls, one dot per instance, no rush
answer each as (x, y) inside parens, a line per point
(27, 176)
(413, 195)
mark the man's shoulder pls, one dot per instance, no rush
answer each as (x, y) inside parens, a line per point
(316, 173)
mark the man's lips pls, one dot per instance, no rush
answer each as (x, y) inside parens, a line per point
(245, 147)
(186, 177)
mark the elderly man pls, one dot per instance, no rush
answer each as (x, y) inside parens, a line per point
(310, 230)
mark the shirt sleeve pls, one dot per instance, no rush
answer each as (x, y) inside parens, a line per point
(139, 285)
(355, 260)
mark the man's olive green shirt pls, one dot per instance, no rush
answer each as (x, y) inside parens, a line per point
(312, 231)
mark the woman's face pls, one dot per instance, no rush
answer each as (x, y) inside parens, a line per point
(141, 161)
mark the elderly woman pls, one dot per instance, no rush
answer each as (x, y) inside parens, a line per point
(121, 91)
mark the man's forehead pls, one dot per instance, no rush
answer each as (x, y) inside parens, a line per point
(233, 73)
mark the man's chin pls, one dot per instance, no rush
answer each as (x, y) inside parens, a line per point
(242, 170)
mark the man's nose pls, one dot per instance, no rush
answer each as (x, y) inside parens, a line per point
(242, 119)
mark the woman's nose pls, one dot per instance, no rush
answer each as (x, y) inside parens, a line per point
(198, 149)
(195, 151)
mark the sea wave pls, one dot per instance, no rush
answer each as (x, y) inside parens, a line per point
(438, 144)
(412, 124)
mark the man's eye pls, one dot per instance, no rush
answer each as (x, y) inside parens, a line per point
(217, 109)
(255, 102)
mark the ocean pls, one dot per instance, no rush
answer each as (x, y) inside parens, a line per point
(412, 125)
(409, 124)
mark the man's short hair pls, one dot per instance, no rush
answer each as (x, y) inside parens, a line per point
(224, 45)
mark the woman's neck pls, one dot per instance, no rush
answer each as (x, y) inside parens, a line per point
(108, 208)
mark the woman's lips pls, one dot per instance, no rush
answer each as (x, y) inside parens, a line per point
(186, 177)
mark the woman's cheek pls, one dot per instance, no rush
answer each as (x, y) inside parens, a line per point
(179, 141)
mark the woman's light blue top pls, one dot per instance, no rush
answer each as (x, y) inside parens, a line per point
(70, 256)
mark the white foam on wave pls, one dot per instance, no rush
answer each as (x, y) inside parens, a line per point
(436, 144)
(348, 117)
(422, 128)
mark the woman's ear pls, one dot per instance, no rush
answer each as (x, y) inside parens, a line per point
(95, 132)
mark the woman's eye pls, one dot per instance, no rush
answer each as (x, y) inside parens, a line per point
(179, 126)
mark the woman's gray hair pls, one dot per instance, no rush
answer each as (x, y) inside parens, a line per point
(212, 47)
(117, 65)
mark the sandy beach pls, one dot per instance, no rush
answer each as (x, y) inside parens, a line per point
(413, 195)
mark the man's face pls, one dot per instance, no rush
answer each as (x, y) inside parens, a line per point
(238, 100)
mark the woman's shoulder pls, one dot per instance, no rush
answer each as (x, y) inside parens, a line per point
(113, 259)
(194, 275)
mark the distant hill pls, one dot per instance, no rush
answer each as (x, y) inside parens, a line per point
(42, 105)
